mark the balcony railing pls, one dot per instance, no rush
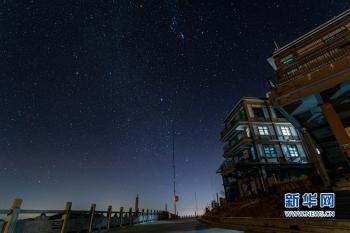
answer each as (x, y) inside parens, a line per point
(227, 166)
(231, 125)
(276, 137)
(289, 138)
(230, 165)
(298, 159)
(235, 142)
(265, 137)
(283, 159)
(315, 61)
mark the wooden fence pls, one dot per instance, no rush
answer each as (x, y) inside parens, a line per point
(73, 221)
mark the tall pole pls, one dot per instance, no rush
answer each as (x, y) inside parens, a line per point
(195, 198)
(174, 174)
(137, 204)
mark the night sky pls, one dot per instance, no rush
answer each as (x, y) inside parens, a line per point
(88, 91)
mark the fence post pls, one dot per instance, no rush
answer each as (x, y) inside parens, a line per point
(109, 215)
(92, 215)
(131, 217)
(65, 217)
(143, 215)
(12, 216)
(121, 216)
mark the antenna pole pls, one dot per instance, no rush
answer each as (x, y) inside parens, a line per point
(195, 198)
(174, 172)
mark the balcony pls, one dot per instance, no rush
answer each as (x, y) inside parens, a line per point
(242, 140)
(277, 138)
(289, 138)
(283, 159)
(312, 74)
(277, 159)
(296, 159)
(312, 63)
(265, 137)
(228, 130)
(325, 55)
(229, 166)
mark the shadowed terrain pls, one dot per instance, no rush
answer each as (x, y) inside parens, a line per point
(187, 226)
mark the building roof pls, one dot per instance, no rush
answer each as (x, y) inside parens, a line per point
(244, 98)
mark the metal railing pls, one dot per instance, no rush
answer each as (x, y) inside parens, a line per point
(232, 145)
(229, 127)
(73, 221)
(314, 61)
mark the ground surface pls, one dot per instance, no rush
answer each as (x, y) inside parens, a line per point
(180, 226)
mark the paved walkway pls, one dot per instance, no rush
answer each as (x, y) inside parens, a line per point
(179, 226)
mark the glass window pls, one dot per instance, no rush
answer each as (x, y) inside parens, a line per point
(293, 150)
(263, 130)
(278, 114)
(258, 112)
(287, 60)
(242, 113)
(286, 131)
(252, 151)
(269, 150)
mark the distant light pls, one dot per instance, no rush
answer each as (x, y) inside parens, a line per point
(318, 151)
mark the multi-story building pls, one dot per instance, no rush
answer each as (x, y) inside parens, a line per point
(261, 149)
(313, 92)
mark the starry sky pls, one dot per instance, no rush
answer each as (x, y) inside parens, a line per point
(89, 91)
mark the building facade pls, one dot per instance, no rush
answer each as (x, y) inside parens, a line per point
(312, 90)
(261, 149)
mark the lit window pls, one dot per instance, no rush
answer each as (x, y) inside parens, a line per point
(287, 60)
(263, 130)
(269, 150)
(293, 151)
(286, 131)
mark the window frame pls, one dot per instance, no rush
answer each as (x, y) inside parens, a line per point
(278, 114)
(286, 131)
(271, 149)
(293, 151)
(263, 130)
(259, 109)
